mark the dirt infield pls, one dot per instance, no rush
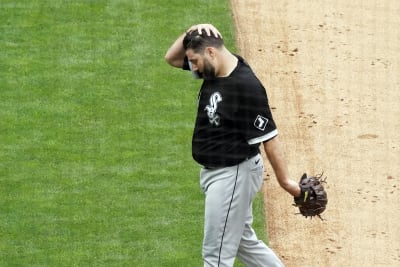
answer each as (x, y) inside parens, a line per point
(331, 69)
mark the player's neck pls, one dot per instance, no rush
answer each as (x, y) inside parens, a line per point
(228, 63)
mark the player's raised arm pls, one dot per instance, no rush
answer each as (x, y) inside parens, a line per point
(176, 53)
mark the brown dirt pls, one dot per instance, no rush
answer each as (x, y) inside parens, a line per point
(331, 69)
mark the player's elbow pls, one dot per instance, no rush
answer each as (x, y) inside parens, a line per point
(171, 59)
(168, 58)
(174, 59)
(175, 63)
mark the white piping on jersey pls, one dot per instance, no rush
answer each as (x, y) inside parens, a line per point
(263, 138)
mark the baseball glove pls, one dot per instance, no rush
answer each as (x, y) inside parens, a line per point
(313, 199)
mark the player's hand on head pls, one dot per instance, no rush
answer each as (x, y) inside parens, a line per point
(208, 28)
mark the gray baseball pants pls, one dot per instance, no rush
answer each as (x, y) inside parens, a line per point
(228, 232)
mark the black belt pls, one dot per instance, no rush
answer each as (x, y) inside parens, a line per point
(255, 153)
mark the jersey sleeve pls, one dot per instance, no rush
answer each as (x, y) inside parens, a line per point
(256, 122)
(186, 65)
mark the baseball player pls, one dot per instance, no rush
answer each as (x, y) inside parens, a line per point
(233, 121)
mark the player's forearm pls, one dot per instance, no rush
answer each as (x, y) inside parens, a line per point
(176, 53)
(277, 160)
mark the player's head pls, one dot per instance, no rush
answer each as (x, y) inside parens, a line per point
(198, 42)
(201, 50)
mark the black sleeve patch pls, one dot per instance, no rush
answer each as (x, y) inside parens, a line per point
(260, 123)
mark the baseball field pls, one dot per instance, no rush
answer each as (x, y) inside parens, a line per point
(95, 129)
(332, 72)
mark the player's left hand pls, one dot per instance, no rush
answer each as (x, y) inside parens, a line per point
(313, 198)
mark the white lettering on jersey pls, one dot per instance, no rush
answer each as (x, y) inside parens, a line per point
(212, 109)
(260, 123)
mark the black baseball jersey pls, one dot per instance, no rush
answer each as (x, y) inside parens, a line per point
(233, 118)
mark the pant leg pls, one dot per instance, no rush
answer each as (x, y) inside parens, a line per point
(221, 233)
(253, 252)
(229, 195)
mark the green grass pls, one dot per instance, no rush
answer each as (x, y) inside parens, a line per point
(95, 130)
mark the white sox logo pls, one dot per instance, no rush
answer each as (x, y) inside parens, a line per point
(212, 109)
(260, 122)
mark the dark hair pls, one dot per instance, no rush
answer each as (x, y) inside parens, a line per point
(198, 42)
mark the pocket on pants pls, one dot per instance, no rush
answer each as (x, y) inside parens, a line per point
(256, 172)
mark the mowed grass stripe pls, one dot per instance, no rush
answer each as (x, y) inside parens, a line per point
(95, 129)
